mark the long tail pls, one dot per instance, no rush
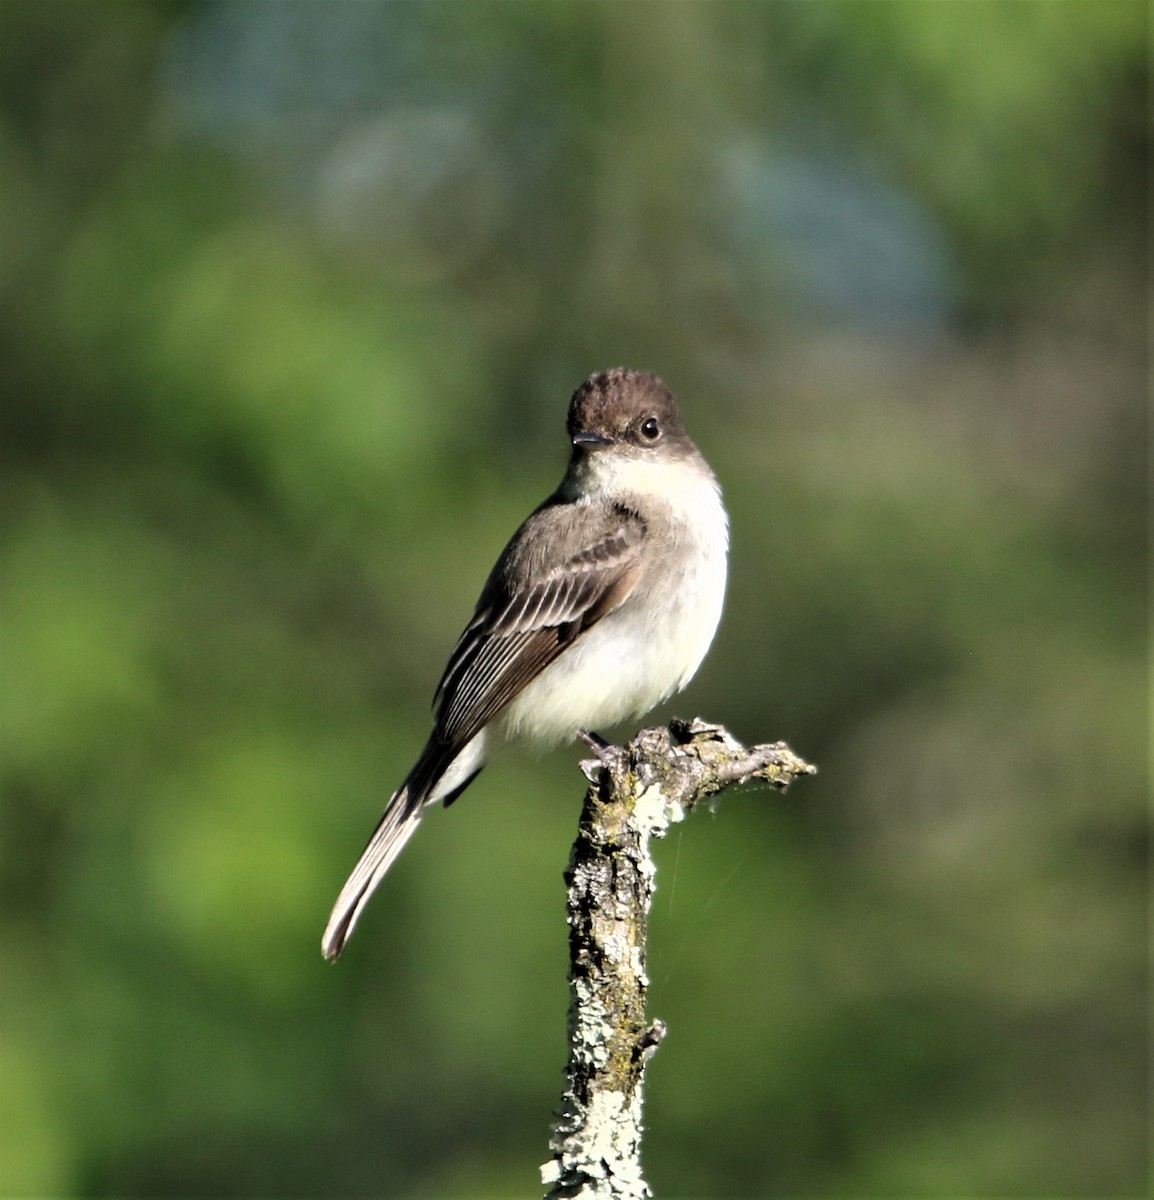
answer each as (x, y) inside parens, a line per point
(401, 817)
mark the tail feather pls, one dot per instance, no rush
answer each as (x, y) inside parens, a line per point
(441, 773)
(402, 816)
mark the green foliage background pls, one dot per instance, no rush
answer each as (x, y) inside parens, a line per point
(292, 298)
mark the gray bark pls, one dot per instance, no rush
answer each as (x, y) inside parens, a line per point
(636, 793)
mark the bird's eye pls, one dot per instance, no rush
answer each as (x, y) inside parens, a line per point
(650, 429)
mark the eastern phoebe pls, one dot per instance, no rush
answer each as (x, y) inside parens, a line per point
(602, 605)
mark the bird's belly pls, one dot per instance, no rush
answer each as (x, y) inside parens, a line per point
(625, 665)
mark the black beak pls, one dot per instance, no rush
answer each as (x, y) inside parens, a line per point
(591, 439)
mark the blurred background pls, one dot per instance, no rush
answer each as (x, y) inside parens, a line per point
(292, 300)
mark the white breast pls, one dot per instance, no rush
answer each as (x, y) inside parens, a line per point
(653, 644)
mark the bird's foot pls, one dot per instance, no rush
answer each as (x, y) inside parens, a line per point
(606, 753)
(595, 742)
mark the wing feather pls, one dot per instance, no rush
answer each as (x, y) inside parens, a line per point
(586, 561)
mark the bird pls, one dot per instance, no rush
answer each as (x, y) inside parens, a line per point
(602, 605)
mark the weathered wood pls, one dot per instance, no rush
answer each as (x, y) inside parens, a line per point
(636, 793)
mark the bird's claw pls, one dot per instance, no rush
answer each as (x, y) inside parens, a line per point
(607, 754)
(591, 768)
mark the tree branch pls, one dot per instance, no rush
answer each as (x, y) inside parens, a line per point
(636, 793)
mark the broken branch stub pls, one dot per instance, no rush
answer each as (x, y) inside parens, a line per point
(636, 793)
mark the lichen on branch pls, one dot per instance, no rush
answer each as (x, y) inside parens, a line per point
(636, 792)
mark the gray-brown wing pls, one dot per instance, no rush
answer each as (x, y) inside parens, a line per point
(582, 563)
